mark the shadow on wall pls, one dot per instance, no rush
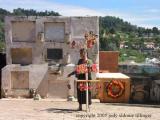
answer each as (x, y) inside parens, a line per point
(2, 64)
(42, 88)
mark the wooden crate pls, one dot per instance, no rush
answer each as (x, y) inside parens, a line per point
(105, 79)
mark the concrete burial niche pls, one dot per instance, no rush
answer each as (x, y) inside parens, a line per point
(20, 79)
(54, 54)
(42, 46)
(21, 56)
(23, 31)
(57, 89)
(54, 31)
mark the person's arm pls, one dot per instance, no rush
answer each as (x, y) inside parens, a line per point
(72, 73)
(69, 75)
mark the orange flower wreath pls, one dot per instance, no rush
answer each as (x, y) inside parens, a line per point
(115, 88)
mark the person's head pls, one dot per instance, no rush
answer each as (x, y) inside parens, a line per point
(83, 53)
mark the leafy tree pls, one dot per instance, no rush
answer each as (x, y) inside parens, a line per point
(140, 31)
(157, 41)
(155, 30)
(112, 31)
(132, 36)
(3, 13)
(31, 12)
(148, 32)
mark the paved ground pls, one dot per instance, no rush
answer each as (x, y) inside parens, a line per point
(22, 109)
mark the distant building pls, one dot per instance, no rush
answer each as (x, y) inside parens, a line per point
(149, 45)
(123, 45)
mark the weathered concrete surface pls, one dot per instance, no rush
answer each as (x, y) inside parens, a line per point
(62, 110)
(20, 34)
(41, 33)
(16, 77)
(29, 38)
(21, 55)
(155, 91)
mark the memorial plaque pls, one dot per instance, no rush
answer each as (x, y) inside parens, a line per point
(20, 79)
(54, 31)
(23, 31)
(54, 54)
(21, 56)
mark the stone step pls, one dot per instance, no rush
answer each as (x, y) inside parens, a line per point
(20, 93)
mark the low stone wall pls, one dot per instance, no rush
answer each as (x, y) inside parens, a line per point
(155, 91)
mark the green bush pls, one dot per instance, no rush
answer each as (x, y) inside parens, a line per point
(129, 54)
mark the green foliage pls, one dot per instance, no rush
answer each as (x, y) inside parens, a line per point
(3, 13)
(31, 12)
(1, 31)
(2, 46)
(2, 37)
(114, 31)
(117, 24)
(130, 54)
(155, 31)
(157, 41)
(110, 42)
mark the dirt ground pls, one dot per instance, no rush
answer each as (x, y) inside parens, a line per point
(47, 109)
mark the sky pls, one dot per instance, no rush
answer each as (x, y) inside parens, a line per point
(144, 13)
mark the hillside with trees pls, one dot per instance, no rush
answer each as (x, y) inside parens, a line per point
(133, 42)
(115, 34)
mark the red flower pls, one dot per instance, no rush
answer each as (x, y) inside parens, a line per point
(115, 88)
(81, 69)
(94, 68)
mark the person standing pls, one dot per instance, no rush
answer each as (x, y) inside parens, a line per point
(81, 94)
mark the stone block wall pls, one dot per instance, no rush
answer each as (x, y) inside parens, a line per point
(40, 54)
